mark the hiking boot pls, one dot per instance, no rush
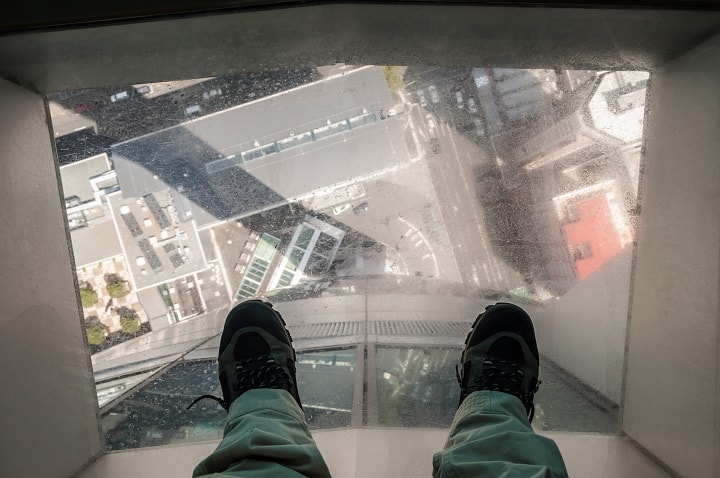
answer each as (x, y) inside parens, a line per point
(501, 354)
(255, 352)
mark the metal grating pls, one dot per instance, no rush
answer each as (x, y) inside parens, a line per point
(381, 327)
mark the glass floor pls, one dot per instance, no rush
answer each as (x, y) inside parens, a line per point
(416, 388)
(380, 207)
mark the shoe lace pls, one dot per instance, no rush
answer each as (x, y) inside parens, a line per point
(255, 372)
(501, 376)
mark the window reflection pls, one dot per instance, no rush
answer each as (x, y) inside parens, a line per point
(417, 386)
(156, 413)
(326, 382)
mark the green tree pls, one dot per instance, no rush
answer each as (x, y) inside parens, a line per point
(129, 320)
(394, 77)
(95, 334)
(130, 324)
(117, 289)
(88, 297)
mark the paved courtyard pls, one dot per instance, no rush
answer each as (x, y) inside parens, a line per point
(106, 309)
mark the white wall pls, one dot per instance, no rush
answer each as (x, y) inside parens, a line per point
(584, 330)
(49, 409)
(672, 384)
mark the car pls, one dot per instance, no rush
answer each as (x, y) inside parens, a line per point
(421, 98)
(430, 121)
(435, 145)
(214, 92)
(434, 96)
(143, 90)
(481, 80)
(341, 208)
(191, 110)
(123, 95)
(459, 98)
(355, 190)
(360, 208)
(394, 111)
(82, 108)
(472, 106)
(479, 127)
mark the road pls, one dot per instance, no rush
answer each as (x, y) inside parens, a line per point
(452, 158)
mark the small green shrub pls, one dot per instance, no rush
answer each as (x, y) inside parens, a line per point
(117, 289)
(96, 334)
(130, 324)
(88, 297)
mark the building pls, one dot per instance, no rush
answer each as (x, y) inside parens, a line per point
(573, 160)
(179, 183)
(266, 153)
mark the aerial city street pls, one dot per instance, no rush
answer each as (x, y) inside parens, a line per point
(185, 196)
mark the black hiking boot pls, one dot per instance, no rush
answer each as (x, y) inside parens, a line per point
(255, 352)
(501, 354)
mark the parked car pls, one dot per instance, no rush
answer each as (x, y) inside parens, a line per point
(459, 98)
(82, 108)
(191, 110)
(421, 98)
(211, 93)
(342, 208)
(472, 106)
(429, 120)
(360, 208)
(123, 95)
(435, 145)
(479, 127)
(143, 90)
(434, 96)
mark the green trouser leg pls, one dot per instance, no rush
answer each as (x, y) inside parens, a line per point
(265, 436)
(492, 437)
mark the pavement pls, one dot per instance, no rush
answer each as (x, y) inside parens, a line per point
(106, 307)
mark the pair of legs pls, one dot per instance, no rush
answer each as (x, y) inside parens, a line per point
(266, 434)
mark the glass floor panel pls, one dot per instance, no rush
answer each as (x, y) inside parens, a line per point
(416, 389)
(381, 208)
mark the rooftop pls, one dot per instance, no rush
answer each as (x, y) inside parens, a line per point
(267, 152)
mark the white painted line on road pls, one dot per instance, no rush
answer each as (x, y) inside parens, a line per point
(442, 127)
(427, 256)
(419, 243)
(422, 236)
(417, 147)
(460, 169)
(408, 232)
